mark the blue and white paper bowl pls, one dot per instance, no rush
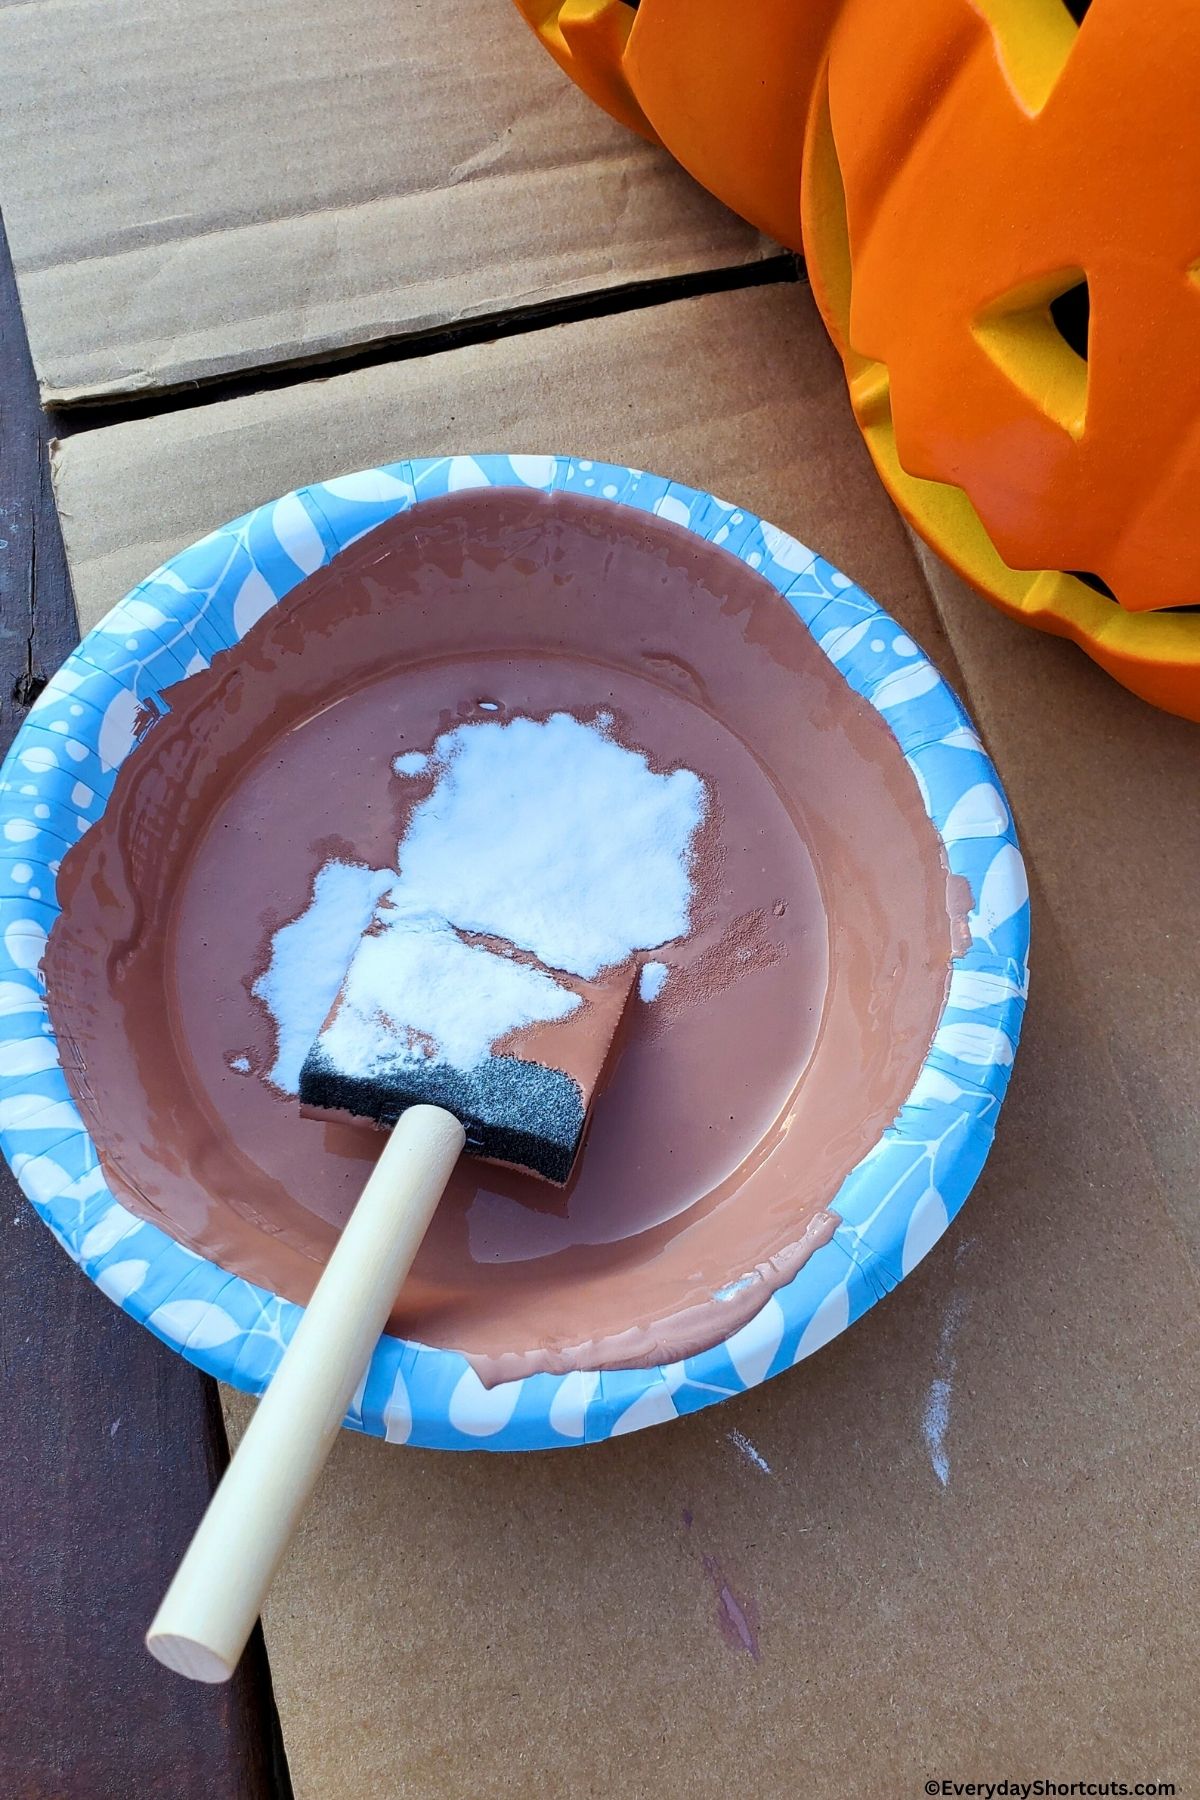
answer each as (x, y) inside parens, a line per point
(894, 1205)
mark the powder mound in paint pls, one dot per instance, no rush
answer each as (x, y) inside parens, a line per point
(414, 988)
(412, 762)
(549, 836)
(556, 838)
(309, 958)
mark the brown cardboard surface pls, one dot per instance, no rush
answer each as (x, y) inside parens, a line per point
(738, 392)
(552, 1625)
(1108, 788)
(195, 188)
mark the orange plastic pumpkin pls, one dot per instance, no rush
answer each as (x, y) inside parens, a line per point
(1000, 217)
(1002, 223)
(723, 84)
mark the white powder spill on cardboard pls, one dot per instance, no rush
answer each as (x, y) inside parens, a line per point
(935, 1423)
(309, 959)
(755, 1457)
(556, 838)
(414, 987)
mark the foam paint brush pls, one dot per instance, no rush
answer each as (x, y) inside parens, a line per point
(450, 1043)
(429, 1015)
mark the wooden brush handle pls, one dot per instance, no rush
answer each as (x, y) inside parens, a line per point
(209, 1610)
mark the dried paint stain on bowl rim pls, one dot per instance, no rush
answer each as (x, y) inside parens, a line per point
(893, 1205)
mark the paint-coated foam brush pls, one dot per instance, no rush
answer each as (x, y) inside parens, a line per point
(463, 1044)
(428, 1017)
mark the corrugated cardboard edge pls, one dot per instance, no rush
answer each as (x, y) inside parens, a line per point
(563, 301)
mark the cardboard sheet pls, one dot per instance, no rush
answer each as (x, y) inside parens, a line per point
(194, 189)
(1110, 788)
(956, 1544)
(739, 393)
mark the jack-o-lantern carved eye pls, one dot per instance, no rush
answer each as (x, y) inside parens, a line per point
(1038, 335)
(1034, 39)
(1072, 314)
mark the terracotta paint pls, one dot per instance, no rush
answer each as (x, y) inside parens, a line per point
(790, 1031)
